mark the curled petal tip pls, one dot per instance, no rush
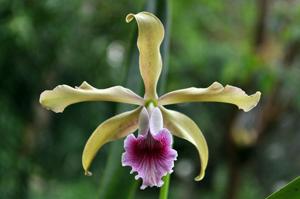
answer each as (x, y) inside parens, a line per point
(199, 177)
(88, 173)
(255, 97)
(129, 17)
(46, 102)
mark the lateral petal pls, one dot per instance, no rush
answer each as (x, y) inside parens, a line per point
(183, 127)
(214, 93)
(151, 33)
(114, 128)
(63, 95)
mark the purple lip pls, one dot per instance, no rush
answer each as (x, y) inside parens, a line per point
(151, 156)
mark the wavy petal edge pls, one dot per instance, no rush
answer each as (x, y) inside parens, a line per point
(216, 92)
(63, 95)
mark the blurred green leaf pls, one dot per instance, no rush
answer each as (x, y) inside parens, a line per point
(290, 191)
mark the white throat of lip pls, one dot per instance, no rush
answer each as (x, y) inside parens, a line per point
(150, 108)
(150, 120)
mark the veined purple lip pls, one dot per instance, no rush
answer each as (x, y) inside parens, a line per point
(151, 156)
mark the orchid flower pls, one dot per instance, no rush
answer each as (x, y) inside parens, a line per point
(150, 154)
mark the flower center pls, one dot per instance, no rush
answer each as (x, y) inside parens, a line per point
(151, 102)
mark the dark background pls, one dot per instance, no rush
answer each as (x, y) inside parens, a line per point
(251, 44)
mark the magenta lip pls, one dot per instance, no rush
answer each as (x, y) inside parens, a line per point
(151, 156)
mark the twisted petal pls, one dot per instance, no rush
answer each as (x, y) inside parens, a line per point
(151, 156)
(63, 95)
(182, 126)
(114, 128)
(214, 93)
(151, 33)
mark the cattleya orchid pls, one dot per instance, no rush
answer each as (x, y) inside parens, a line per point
(150, 154)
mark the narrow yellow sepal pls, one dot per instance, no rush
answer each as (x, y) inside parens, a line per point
(114, 128)
(183, 127)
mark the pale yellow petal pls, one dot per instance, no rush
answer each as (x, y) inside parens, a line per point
(151, 33)
(214, 93)
(63, 95)
(114, 128)
(182, 126)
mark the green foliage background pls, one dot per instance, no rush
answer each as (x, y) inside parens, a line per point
(249, 44)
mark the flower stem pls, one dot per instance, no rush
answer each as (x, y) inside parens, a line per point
(164, 190)
(163, 12)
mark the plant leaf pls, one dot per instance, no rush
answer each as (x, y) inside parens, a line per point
(290, 191)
